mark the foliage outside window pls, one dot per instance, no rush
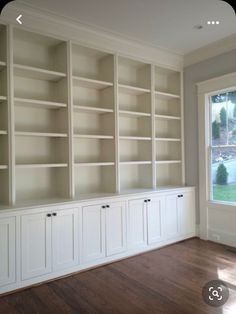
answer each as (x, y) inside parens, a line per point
(223, 147)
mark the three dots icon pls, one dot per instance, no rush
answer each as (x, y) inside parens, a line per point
(213, 22)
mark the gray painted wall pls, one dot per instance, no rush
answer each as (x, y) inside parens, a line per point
(201, 71)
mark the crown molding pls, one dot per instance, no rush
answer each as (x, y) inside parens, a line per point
(51, 24)
(220, 83)
(212, 50)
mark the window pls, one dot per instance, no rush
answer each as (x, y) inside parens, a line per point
(222, 146)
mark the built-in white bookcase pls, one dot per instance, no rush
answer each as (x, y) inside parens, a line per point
(4, 132)
(81, 121)
(168, 127)
(40, 116)
(135, 124)
(93, 121)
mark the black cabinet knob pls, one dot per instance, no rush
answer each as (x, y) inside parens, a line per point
(149, 200)
(108, 206)
(180, 195)
(145, 201)
(49, 215)
(54, 214)
(103, 206)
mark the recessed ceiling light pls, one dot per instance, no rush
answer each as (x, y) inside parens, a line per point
(198, 26)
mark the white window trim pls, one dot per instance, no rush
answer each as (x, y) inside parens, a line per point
(204, 90)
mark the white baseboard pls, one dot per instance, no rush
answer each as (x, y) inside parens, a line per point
(222, 237)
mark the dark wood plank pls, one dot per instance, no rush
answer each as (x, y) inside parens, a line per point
(168, 281)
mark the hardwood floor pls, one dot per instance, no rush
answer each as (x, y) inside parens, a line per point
(168, 280)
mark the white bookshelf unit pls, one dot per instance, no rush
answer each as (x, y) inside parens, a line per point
(91, 151)
(40, 117)
(4, 125)
(168, 127)
(84, 121)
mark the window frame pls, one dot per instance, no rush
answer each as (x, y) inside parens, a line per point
(205, 89)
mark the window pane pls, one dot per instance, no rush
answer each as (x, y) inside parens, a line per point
(219, 118)
(223, 174)
(232, 118)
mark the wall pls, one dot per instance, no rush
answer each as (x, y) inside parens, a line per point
(217, 66)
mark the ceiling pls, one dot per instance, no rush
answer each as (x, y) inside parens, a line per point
(163, 23)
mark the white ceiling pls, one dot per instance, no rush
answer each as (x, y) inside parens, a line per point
(164, 23)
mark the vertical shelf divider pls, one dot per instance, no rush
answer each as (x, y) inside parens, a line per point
(182, 127)
(11, 116)
(154, 174)
(70, 121)
(116, 113)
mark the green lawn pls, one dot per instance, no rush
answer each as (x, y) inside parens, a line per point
(224, 192)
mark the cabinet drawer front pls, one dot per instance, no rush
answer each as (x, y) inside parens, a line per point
(35, 245)
(7, 251)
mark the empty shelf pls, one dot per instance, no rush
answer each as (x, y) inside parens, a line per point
(90, 83)
(168, 139)
(166, 117)
(40, 134)
(132, 90)
(3, 167)
(37, 73)
(168, 161)
(2, 65)
(137, 138)
(92, 109)
(89, 164)
(93, 136)
(141, 162)
(3, 98)
(166, 95)
(57, 165)
(134, 114)
(38, 103)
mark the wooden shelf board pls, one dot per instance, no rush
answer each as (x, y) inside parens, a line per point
(38, 103)
(37, 73)
(134, 113)
(90, 83)
(2, 65)
(93, 136)
(168, 161)
(132, 90)
(3, 98)
(166, 95)
(3, 132)
(141, 162)
(93, 109)
(166, 117)
(3, 167)
(168, 139)
(136, 138)
(56, 165)
(40, 134)
(93, 164)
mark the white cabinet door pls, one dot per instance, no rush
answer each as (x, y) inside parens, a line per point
(93, 232)
(36, 245)
(137, 224)
(7, 250)
(172, 216)
(65, 238)
(155, 212)
(116, 228)
(187, 213)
